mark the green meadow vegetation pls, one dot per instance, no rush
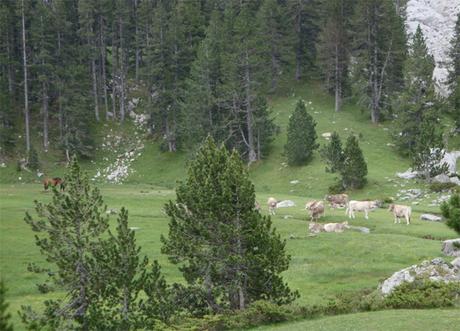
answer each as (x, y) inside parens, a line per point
(321, 267)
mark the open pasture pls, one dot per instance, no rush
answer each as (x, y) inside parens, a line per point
(321, 266)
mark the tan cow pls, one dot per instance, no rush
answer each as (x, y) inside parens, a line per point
(315, 209)
(401, 211)
(336, 227)
(337, 200)
(271, 202)
(363, 206)
(315, 227)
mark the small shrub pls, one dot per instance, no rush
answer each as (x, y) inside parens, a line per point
(32, 161)
(451, 211)
(423, 294)
(441, 187)
(336, 188)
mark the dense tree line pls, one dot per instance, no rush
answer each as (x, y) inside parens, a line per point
(205, 66)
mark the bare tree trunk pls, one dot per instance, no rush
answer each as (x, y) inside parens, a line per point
(137, 52)
(249, 120)
(102, 52)
(61, 115)
(26, 92)
(338, 78)
(45, 115)
(93, 73)
(122, 71)
(9, 67)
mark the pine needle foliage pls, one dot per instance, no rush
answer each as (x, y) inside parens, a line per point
(301, 136)
(354, 170)
(229, 254)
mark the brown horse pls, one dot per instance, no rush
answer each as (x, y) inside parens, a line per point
(55, 181)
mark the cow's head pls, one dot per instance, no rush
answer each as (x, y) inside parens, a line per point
(391, 207)
(345, 225)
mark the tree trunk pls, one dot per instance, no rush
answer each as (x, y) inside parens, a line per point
(9, 67)
(122, 71)
(45, 115)
(137, 51)
(93, 73)
(102, 52)
(252, 157)
(338, 80)
(26, 92)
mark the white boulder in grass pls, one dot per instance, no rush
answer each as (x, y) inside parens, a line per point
(326, 135)
(451, 247)
(430, 217)
(285, 204)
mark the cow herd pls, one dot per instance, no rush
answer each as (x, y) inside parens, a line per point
(316, 210)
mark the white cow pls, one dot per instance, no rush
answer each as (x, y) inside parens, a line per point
(315, 227)
(271, 202)
(336, 227)
(401, 211)
(364, 206)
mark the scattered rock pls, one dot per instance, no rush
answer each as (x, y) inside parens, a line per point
(456, 262)
(285, 204)
(430, 217)
(326, 135)
(442, 178)
(451, 247)
(3, 165)
(294, 182)
(360, 229)
(408, 174)
(286, 217)
(435, 270)
(111, 212)
(134, 228)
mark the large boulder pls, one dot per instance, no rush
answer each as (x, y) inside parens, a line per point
(430, 217)
(436, 270)
(285, 204)
(451, 247)
(408, 174)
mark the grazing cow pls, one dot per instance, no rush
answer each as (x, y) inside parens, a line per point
(401, 211)
(336, 227)
(47, 182)
(315, 209)
(337, 200)
(271, 202)
(315, 227)
(364, 206)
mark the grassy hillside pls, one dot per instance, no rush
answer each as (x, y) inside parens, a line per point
(321, 266)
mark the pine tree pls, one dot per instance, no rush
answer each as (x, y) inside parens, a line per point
(429, 150)
(124, 278)
(418, 102)
(301, 136)
(333, 48)
(380, 49)
(4, 316)
(229, 254)
(451, 212)
(454, 74)
(354, 170)
(333, 154)
(69, 229)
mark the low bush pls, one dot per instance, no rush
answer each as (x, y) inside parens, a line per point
(441, 187)
(423, 294)
(336, 188)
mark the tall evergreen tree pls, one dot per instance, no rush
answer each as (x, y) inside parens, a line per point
(418, 101)
(354, 170)
(379, 49)
(454, 74)
(333, 154)
(4, 316)
(301, 136)
(451, 211)
(334, 47)
(227, 251)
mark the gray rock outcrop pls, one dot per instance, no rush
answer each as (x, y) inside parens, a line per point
(436, 270)
(451, 247)
(430, 217)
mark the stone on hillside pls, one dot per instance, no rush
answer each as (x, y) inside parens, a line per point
(286, 217)
(408, 174)
(442, 178)
(294, 182)
(326, 135)
(360, 229)
(285, 204)
(430, 217)
(456, 262)
(436, 270)
(451, 247)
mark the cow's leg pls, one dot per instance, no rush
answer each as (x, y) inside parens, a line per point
(396, 220)
(366, 216)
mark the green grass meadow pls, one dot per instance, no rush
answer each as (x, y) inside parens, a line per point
(321, 266)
